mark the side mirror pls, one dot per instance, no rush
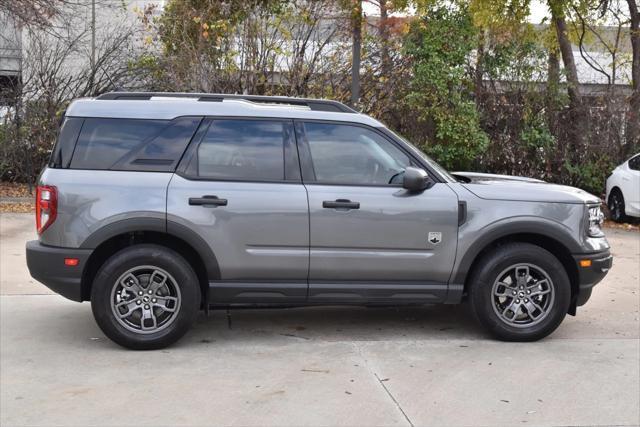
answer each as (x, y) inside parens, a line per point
(415, 179)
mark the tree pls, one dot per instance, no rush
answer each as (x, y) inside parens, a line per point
(383, 31)
(356, 32)
(313, 64)
(633, 122)
(195, 45)
(33, 12)
(577, 117)
(593, 21)
(439, 44)
(55, 69)
(261, 47)
(354, 10)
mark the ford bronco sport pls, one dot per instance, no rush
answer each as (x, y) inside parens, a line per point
(157, 205)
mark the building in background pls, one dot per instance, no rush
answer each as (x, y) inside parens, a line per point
(10, 57)
(83, 30)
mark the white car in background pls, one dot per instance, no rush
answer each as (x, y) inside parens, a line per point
(623, 190)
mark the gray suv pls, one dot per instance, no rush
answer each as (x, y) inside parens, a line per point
(157, 205)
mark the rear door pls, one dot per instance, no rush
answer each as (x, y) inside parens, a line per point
(370, 239)
(239, 188)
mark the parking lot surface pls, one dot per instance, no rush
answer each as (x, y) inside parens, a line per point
(318, 366)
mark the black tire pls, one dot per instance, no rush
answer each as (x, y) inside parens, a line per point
(616, 206)
(136, 258)
(526, 257)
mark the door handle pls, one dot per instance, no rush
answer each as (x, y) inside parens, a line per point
(341, 204)
(207, 201)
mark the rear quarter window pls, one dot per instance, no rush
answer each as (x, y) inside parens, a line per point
(67, 137)
(132, 144)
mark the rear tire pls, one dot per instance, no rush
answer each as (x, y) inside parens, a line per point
(145, 297)
(520, 292)
(616, 206)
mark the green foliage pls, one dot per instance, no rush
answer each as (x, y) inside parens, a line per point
(517, 58)
(590, 175)
(439, 45)
(536, 136)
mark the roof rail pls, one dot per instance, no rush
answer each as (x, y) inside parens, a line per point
(312, 104)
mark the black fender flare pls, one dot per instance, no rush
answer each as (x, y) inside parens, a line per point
(513, 226)
(157, 225)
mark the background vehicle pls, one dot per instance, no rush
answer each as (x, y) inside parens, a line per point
(156, 205)
(623, 190)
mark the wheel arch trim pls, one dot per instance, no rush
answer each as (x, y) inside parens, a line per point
(157, 225)
(495, 232)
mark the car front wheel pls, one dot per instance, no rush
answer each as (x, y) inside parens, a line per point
(145, 297)
(520, 292)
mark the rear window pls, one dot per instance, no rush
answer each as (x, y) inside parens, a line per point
(132, 144)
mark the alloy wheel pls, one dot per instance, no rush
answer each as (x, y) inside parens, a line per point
(145, 299)
(522, 295)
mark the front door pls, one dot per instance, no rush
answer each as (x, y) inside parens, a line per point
(370, 239)
(239, 188)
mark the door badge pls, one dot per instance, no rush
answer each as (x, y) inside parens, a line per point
(434, 237)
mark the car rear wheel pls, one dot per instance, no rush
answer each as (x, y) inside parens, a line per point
(520, 292)
(145, 297)
(616, 206)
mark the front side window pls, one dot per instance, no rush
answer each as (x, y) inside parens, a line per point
(634, 163)
(347, 154)
(242, 150)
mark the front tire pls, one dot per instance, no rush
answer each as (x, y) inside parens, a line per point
(520, 292)
(145, 297)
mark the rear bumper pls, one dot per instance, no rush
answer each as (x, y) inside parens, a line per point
(46, 265)
(590, 276)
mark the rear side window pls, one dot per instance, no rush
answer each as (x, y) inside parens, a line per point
(242, 150)
(132, 144)
(163, 152)
(103, 142)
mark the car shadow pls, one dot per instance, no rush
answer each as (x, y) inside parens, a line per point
(74, 326)
(336, 323)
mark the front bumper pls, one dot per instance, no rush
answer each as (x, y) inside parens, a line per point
(589, 276)
(47, 265)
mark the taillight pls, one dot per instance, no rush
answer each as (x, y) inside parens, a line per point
(46, 206)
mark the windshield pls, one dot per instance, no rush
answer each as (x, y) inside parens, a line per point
(434, 165)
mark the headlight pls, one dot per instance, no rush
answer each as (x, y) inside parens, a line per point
(596, 218)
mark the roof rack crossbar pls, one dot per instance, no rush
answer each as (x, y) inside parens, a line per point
(312, 104)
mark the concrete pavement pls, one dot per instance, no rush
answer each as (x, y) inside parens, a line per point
(318, 366)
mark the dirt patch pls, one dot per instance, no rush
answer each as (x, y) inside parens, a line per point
(16, 207)
(635, 226)
(12, 189)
